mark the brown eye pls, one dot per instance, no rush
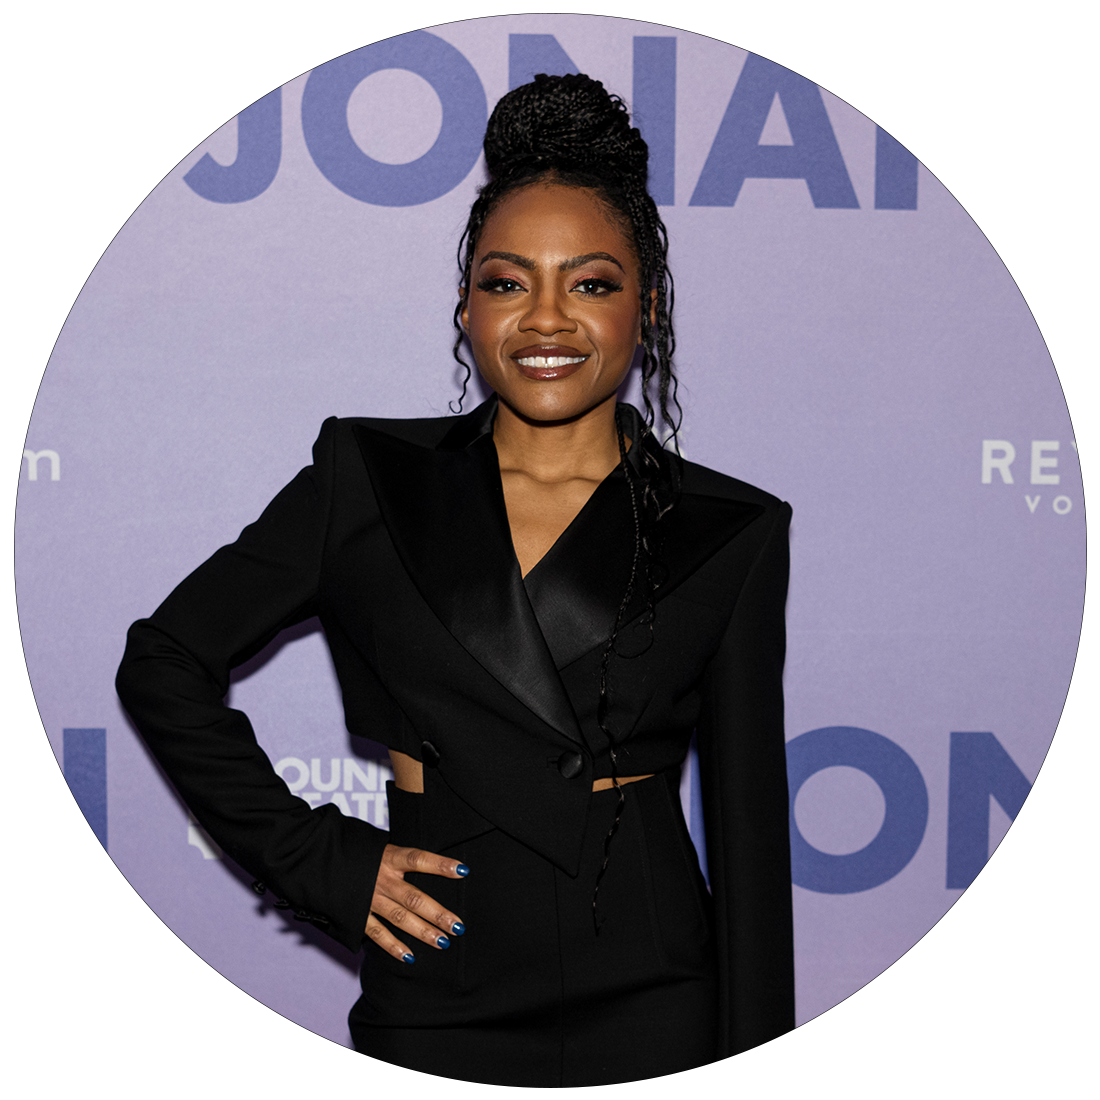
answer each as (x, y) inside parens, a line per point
(501, 285)
(595, 287)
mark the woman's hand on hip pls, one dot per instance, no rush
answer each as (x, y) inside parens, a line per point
(408, 909)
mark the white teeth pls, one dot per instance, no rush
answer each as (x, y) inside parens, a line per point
(541, 362)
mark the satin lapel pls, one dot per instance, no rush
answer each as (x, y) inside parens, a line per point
(444, 510)
(577, 587)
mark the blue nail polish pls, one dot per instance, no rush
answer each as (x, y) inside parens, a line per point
(457, 928)
(443, 942)
(407, 958)
(462, 870)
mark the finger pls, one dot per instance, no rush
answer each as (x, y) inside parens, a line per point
(406, 860)
(403, 905)
(409, 924)
(429, 863)
(387, 941)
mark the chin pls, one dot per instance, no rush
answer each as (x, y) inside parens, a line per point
(549, 401)
(551, 409)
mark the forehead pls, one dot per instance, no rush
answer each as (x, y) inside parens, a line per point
(556, 220)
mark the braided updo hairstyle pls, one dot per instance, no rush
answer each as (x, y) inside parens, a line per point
(569, 130)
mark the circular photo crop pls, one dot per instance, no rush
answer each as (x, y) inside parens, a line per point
(846, 340)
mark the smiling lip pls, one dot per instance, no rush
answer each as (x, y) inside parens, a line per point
(547, 362)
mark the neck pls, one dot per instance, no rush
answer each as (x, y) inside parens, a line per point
(583, 447)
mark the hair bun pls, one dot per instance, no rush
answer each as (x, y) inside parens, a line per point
(567, 122)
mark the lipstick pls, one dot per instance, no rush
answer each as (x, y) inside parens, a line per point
(547, 362)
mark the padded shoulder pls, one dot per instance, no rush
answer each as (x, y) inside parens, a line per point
(420, 431)
(703, 481)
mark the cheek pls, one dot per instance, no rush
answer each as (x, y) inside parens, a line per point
(624, 330)
(486, 312)
(486, 331)
(479, 325)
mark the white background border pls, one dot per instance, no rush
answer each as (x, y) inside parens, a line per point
(101, 100)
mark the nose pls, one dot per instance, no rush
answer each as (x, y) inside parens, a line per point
(547, 312)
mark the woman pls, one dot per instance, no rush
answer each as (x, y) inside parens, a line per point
(533, 606)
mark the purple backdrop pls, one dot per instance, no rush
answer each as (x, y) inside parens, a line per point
(874, 365)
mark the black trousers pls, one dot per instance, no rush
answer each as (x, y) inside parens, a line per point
(531, 994)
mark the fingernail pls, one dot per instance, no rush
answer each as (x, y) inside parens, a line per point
(407, 958)
(457, 928)
(443, 942)
(462, 870)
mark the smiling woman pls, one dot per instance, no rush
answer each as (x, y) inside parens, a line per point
(534, 606)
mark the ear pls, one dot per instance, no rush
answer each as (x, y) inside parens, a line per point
(464, 316)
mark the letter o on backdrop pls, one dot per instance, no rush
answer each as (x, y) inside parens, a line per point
(902, 831)
(442, 167)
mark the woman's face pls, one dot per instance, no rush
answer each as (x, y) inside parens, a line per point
(552, 312)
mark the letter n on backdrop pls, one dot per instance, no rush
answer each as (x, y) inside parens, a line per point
(981, 769)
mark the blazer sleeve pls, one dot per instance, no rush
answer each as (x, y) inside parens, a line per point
(743, 773)
(173, 680)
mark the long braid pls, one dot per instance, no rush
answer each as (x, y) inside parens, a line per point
(605, 663)
(571, 131)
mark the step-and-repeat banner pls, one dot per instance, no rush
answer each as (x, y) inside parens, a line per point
(847, 339)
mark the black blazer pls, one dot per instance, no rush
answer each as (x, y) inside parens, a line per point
(397, 538)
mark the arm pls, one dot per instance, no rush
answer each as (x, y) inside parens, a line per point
(745, 801)
(173, 679)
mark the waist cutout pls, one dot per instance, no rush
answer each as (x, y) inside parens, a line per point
(408, 775)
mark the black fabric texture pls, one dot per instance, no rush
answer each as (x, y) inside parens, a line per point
(397, 539)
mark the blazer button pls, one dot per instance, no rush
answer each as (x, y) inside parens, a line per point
(570, 764)
(429, 754)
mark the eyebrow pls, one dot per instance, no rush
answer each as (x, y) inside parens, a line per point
(566, 265)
